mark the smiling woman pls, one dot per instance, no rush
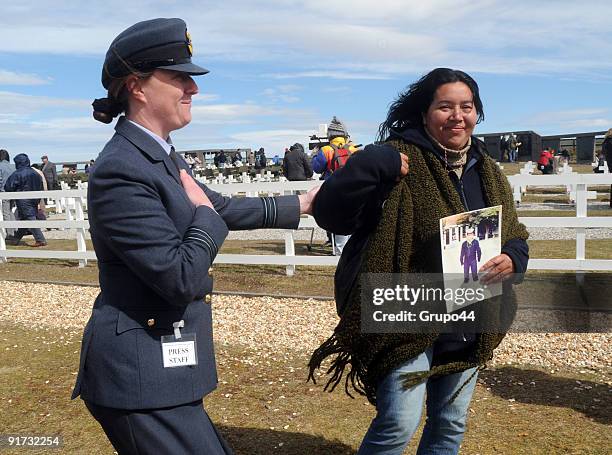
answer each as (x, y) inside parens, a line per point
(394, 223)
(451, 117)
(147, 356)
(162, 102)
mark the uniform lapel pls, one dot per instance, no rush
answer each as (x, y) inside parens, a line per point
(147, 145)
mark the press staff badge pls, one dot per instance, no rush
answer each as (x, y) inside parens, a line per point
(179, 350)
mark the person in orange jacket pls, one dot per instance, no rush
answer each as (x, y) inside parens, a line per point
(331, 158)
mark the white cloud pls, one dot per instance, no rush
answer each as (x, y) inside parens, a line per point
(23, 104)
(318, 38)
(570, 121)
(13, 78)
(273, 141)
(229, 113)
(205, 98)
(332, 74)
(282, 93)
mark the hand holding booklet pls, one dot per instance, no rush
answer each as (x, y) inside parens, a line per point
(468, 240)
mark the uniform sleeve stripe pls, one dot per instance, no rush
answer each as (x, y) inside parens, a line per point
(273, 200)
(202, 236)
(265, 219)
(206, 244)
(270, 211)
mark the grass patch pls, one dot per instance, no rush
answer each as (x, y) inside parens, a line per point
(269, 279)
(566, 249)
(559, 213)
(263, 404)
(558, 198)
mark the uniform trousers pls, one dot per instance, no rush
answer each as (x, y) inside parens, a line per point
(184, 429)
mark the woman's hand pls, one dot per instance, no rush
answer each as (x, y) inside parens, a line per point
(497, 269)
(403, 167)
(195, 194)
(307, 199)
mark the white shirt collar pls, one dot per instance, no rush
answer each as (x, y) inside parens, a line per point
(167, 145)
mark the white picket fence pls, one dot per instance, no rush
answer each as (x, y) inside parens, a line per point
(73, 203)
(578, 183)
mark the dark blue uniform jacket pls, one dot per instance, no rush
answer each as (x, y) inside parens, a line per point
(154, 250)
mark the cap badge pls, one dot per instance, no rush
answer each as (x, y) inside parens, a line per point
(189, 45)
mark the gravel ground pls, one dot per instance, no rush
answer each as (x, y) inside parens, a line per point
(273, 327)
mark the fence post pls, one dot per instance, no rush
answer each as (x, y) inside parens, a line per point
(290, 251)
(581, 212)
(2, 234)
(80, 232)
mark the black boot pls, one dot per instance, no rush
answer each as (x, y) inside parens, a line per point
(12, 240)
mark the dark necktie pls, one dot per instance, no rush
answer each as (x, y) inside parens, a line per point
(175, 159)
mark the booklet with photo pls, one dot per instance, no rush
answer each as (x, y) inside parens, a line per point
(468, 240)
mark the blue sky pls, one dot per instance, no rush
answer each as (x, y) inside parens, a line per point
(279, 68)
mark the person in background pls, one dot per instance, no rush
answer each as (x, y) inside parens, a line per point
(545, 163)
(88, 166)
(600, 162)
(6, 169)
(25, 179)
(513, 146)
(237, 159)
(504, 145)
(606, 148)
(296, 165)
(36, 169)
(329, 159)
(147, 356)
(260, 159)
(41, 214)
(220, 159)
(48, 169)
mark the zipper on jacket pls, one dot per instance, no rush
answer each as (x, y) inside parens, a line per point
(465, 203)
(461, 191)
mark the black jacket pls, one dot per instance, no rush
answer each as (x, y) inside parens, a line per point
(350, 202)
(24, 179)
(296, 165)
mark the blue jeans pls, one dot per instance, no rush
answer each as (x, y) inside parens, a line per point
(36, 232)
(399, 412)
(339, 243)
(513, 155)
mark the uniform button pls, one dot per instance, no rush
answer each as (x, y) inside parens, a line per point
(208, 299)
(210, 271)
(151, 322)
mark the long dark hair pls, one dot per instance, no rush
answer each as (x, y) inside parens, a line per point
(410, 106)
(4, 155)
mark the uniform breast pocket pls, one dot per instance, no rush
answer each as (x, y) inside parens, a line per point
(154, 321)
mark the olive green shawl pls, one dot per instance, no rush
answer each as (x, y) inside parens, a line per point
(409, 222)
